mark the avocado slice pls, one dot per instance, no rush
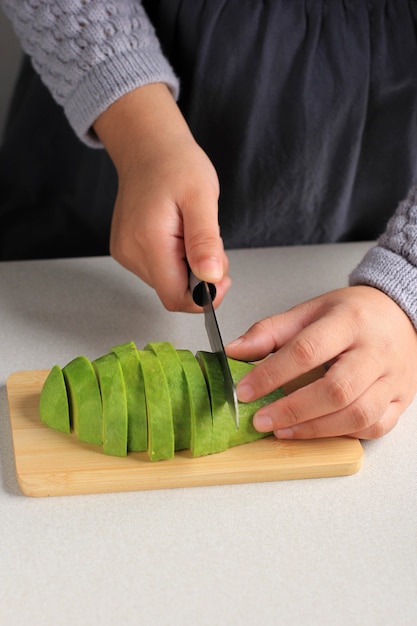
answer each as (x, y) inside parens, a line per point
(85, 400)
(113, 399)
(161, 440)
(223, 423)
(200, 408)
(53, 404)
(225, 435)
(178, 391)
(247, 410)
(137, 435)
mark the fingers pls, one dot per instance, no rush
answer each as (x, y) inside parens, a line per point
(371, 415)
(197, 245)
(351, 398)
(204, 250)
(269, 334)
(175, 294)
(201, 249)
(259, 341)
(320, 342)
(168, 274)
(346, 380)
(354, 398)
(371, 379)
(384, 424)
(203, 245)
(160, 245)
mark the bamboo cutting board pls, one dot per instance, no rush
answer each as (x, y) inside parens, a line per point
(50, 463)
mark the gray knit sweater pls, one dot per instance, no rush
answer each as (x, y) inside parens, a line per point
(89, 53)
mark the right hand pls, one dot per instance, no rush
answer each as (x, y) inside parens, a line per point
(165, 219)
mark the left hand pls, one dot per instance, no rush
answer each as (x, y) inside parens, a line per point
(371, 347)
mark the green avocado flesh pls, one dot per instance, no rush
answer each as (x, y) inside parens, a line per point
(178, 391)
(200, 408)
(54, 409)
(84, 400)
(114, 406)
(137, 425)
(247, 410)
(223, 421)
(158, 399)
(161, 441)
(225, 434)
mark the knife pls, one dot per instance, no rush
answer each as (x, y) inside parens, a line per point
(203, 295)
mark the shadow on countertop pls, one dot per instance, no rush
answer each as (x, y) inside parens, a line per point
(93, 302)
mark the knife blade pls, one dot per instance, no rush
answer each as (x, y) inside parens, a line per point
(203, 295)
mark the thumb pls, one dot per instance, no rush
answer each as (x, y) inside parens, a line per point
(204, 249)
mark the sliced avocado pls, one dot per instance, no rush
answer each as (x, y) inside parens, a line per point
(54, 404)
(225, 433)
(137, 435)
(247, 410)
(161, 440)
(178, 391)
(113, 398)
(85, 400)
(200, 408)
(92, 398)
(223, 422)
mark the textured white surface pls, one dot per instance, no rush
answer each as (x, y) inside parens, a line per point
(313, 552)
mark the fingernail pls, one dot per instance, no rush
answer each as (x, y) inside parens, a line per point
(284, 433)
(263, 423)
(245, 393)
(211, 269)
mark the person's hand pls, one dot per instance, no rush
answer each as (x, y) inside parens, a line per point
(370, 346)
(165, 220)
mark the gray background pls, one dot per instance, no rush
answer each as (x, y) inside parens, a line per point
(10, 55)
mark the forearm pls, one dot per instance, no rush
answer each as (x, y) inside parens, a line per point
(139, 124)
(391, 265)
(89, 57)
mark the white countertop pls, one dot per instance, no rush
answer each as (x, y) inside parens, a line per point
(330, 551)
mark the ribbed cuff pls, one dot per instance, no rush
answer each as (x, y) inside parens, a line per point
(111, 80)
(392, 274)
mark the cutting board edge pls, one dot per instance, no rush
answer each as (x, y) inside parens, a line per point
(40, 485)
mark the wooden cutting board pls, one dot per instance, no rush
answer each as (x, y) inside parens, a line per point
(50, 463)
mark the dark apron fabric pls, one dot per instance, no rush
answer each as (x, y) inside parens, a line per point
(56, 194)
(307, 108)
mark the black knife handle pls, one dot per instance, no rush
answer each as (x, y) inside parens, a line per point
(197, 289)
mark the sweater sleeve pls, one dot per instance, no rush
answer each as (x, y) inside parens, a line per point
(391, 265)
(89, 53)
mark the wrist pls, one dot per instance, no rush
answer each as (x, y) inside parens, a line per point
(133, 125)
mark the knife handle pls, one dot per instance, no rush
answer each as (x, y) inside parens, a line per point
(197, 289)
